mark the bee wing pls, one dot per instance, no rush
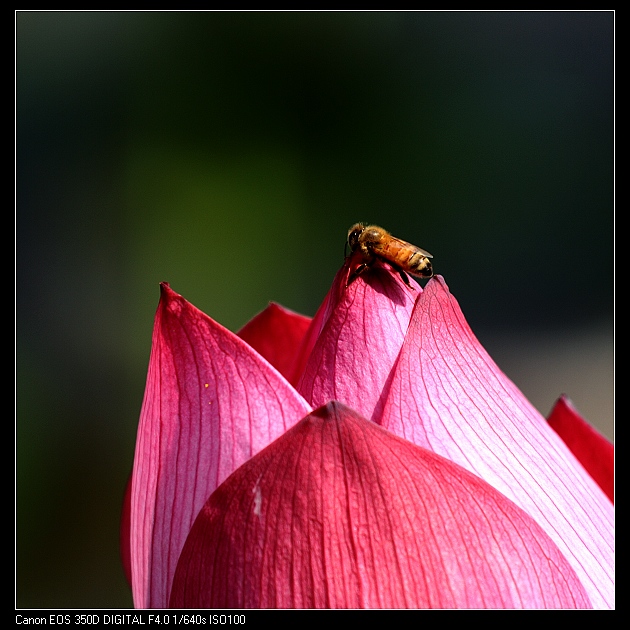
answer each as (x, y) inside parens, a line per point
(406, 245)
(424, 252)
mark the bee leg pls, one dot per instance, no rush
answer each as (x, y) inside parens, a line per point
(356, 273)
(404, 277)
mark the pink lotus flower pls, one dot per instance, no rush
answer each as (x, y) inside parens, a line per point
(432, 482)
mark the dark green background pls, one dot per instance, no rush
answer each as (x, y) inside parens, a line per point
(228, 153)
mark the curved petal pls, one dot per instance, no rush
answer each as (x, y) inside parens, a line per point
(339, 513)
(276, 334)
(591, 448)
(210, 403)
(318, 322)
(448, 396)
(360, 341)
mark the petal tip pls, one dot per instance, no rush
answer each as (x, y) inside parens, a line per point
(439, 280)
(330, 410)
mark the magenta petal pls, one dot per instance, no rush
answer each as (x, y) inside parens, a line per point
(276, 334)
(360, 341)
(318, 322)
(592, 449)
(447, 395)
(340, 513)
(210, 403)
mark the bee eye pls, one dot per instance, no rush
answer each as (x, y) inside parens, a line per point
(353, 238)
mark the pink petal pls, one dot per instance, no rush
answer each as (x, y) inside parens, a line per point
(591, 448)
(447, 395)
(318, 322)
(210, 403)
(340, 513)
(359, 341)
(276, 334)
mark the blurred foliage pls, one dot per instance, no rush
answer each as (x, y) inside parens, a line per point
(228, 153)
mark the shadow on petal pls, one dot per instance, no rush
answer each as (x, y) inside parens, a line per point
(359, 341)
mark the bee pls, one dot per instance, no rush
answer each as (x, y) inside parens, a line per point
(374, 243)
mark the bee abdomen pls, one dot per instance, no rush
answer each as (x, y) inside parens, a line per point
(417, 260)
(420, 265)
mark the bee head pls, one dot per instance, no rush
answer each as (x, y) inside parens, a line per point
(353, 235)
